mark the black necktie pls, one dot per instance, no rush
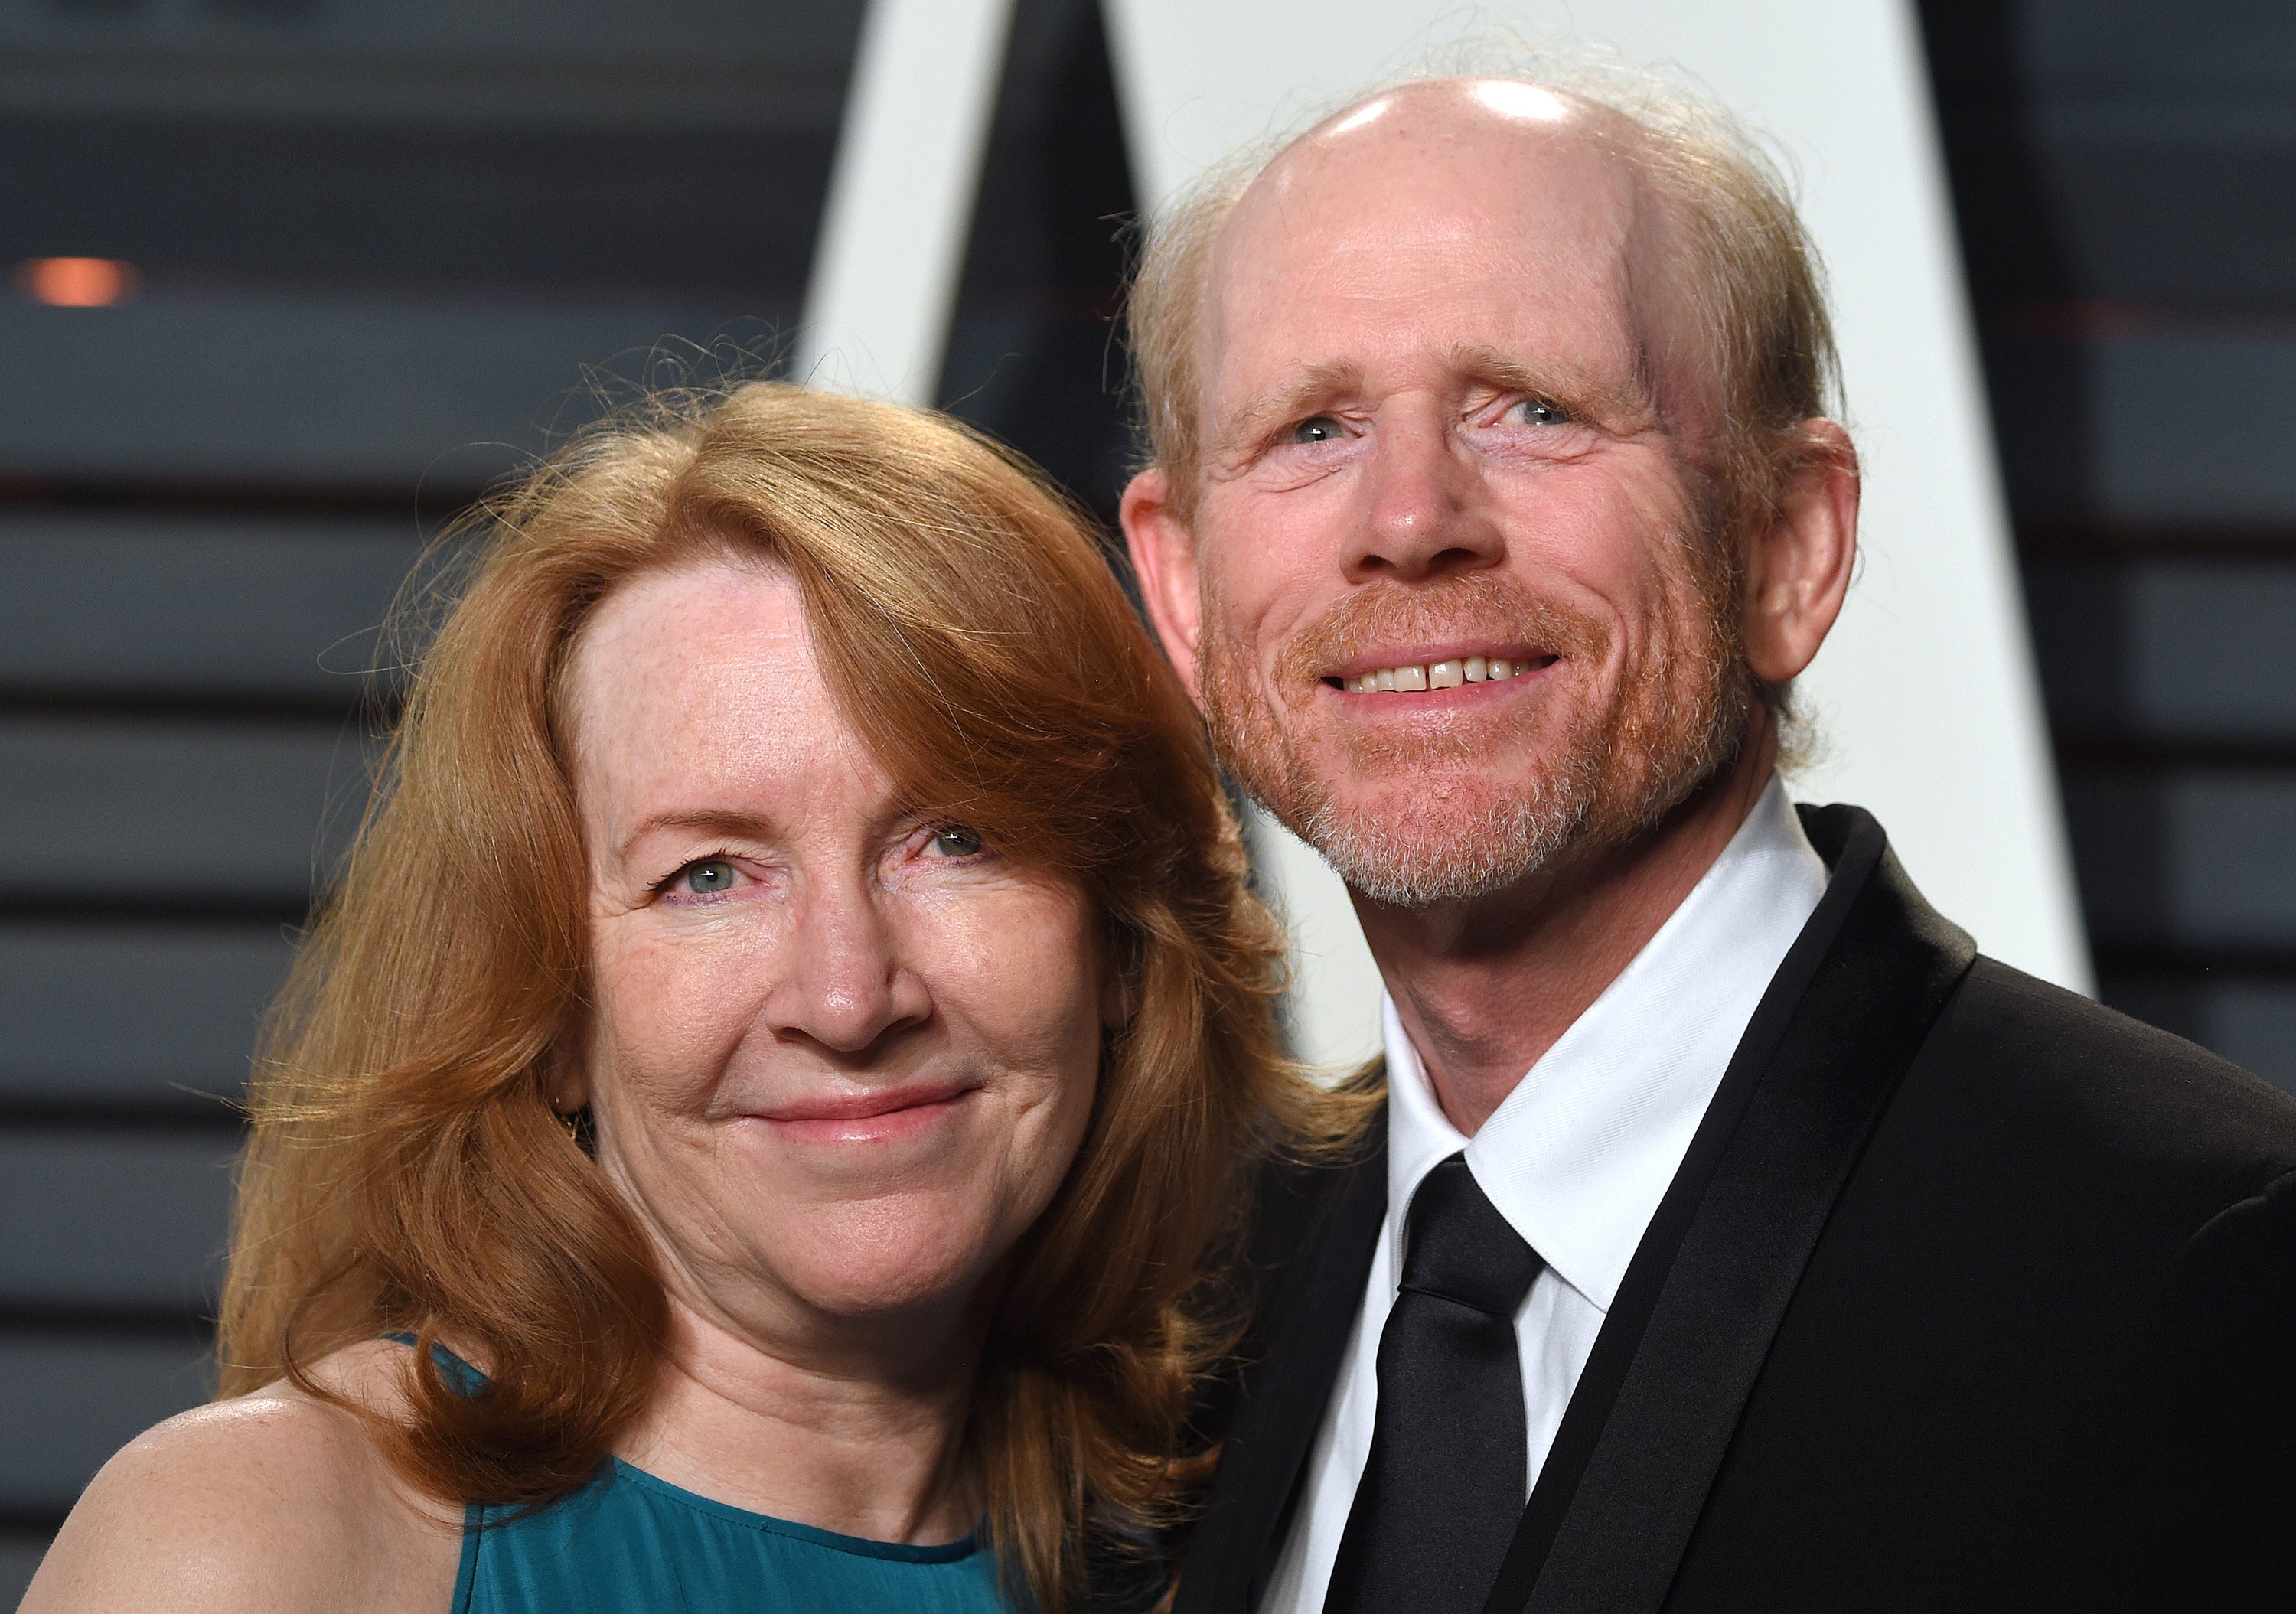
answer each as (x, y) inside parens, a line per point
(1444, 1486)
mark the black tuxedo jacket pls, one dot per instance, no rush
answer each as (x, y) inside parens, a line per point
(1969, 1294)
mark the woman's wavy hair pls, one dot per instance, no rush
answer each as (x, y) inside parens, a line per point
(406, 1172)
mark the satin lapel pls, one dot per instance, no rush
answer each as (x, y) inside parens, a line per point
(1687, 1336)
(1315, 1304)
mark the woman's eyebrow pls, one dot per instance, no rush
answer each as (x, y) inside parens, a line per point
(711, 821)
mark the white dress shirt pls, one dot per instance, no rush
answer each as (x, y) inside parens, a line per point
(1576, 1159)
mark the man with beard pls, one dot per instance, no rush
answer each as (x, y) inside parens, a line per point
(1734, 1236)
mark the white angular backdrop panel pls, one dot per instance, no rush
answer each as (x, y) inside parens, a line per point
(1926, 693)
(901, 195)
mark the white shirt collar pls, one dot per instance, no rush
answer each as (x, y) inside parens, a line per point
(1578, 1156)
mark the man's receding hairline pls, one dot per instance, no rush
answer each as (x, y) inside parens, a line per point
(1581, 131)
(1646, 206)
(1622, 141)
(1738, 255)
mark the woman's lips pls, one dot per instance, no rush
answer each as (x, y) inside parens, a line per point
(872, 1114)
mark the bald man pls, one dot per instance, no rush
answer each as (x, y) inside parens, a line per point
(1734, 1236)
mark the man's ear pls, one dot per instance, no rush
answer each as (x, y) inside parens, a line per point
(1164, 559)
(1798, 572)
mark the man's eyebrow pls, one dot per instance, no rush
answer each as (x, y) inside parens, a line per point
(709, 821)
(1284, 401)
(1609, 400)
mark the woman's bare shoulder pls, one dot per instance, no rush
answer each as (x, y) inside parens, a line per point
(274, 1500)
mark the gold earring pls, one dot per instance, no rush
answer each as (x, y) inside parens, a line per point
(567, 1119)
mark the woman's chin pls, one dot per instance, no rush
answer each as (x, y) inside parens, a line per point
(856, 1280)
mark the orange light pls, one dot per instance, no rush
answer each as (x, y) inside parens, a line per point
(77, 282)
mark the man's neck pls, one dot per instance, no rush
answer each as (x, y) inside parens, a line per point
(1486, 987)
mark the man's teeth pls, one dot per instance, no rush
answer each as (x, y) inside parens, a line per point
(1438, 674)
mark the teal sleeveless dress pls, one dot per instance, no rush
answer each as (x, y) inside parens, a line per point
(627, 1543)
(632, 1544)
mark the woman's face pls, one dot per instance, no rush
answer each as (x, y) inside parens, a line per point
(838, 1057)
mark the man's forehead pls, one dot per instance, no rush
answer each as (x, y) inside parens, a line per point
(1433, 207)
(1519, 152)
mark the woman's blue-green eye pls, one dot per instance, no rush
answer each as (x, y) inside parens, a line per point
(957, 841)
(711, 875)
(1537, 412)
(1316, 428)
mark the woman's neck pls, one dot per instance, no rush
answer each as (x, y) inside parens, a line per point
(842, 1439)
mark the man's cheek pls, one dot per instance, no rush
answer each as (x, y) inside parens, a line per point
(1241, 641)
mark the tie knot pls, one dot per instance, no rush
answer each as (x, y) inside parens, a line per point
(1458, 1247)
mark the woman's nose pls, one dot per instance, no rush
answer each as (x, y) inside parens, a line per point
(846, 984)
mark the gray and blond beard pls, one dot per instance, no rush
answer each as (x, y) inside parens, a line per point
(1610, 782)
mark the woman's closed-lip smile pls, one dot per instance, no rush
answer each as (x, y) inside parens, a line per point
(867, 1116)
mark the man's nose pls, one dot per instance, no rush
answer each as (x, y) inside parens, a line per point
(846, 983)
(1424, 514)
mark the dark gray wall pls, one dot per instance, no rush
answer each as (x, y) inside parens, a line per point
(2126, 180)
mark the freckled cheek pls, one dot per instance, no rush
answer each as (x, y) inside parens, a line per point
(669, 1013)
(1020, 976)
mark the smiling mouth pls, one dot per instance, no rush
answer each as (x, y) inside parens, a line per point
(859, 1117)
(1450, 673)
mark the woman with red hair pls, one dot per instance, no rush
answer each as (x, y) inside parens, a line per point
(760, 1121)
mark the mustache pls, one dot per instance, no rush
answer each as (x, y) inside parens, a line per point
(1479, 605)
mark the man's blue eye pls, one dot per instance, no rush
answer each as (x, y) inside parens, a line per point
(1316, 428)
(956, 842)
(1537, 412)
(711, 875)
